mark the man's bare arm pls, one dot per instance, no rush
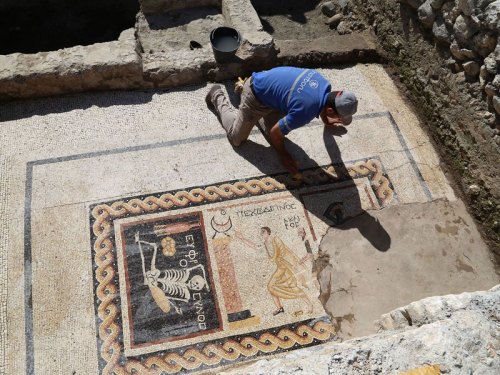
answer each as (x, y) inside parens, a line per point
(277, 140)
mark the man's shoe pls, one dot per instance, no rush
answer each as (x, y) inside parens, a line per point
(210, 96)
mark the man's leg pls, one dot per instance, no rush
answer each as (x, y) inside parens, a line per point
(237, 123)
(268, 121)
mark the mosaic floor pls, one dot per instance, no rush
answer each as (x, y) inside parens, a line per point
(216, 274)
(161, 249)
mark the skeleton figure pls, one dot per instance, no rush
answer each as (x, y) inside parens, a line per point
(171, 285)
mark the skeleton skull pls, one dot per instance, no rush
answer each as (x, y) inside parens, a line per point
(197, 283)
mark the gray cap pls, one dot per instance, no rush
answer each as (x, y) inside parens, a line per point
(346, 104)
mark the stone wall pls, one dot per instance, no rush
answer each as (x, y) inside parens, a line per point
(453, 334)
(447, 55)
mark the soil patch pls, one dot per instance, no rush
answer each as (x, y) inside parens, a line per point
(292, 19)
(178, 30)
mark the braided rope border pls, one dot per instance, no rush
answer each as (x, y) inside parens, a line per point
(230, 350)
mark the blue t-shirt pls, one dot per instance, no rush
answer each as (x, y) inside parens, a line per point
(300, 93)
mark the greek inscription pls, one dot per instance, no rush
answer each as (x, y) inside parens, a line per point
(291, 222)
(258, 211)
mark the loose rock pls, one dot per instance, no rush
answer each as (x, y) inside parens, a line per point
(466, 6)
(484, 76)
(471, 68)
(343, 28)
(328, 9)
(426, 14)
(496, 82)
(496, 103)
(473, 190)
(440, 31)
(489, 90)
(464, 30)
(490, 63)
(484, 43)
(334, 21)
(450, 13)
(492, 16)
(437, 4)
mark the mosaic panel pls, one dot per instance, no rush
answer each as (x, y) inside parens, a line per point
(209, 276)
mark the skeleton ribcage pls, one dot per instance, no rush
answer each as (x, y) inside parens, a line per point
(174, 283)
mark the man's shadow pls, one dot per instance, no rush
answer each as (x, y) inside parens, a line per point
(337, 216)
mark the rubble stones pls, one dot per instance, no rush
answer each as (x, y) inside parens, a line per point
(484, 43)
(469, 31)
(450, 13)
(466, 6)
(455, 51)
(461, 53)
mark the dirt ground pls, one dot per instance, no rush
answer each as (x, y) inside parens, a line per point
(292, 19)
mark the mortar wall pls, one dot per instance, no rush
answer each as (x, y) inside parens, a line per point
(457, 103)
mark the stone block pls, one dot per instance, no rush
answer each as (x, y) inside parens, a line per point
(177, 68)
(111, 65)
(256, 43)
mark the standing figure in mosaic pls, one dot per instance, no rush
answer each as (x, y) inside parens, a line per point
(171, 285)
(288, 281)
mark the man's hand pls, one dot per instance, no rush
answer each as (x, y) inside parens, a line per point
(290, 164)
